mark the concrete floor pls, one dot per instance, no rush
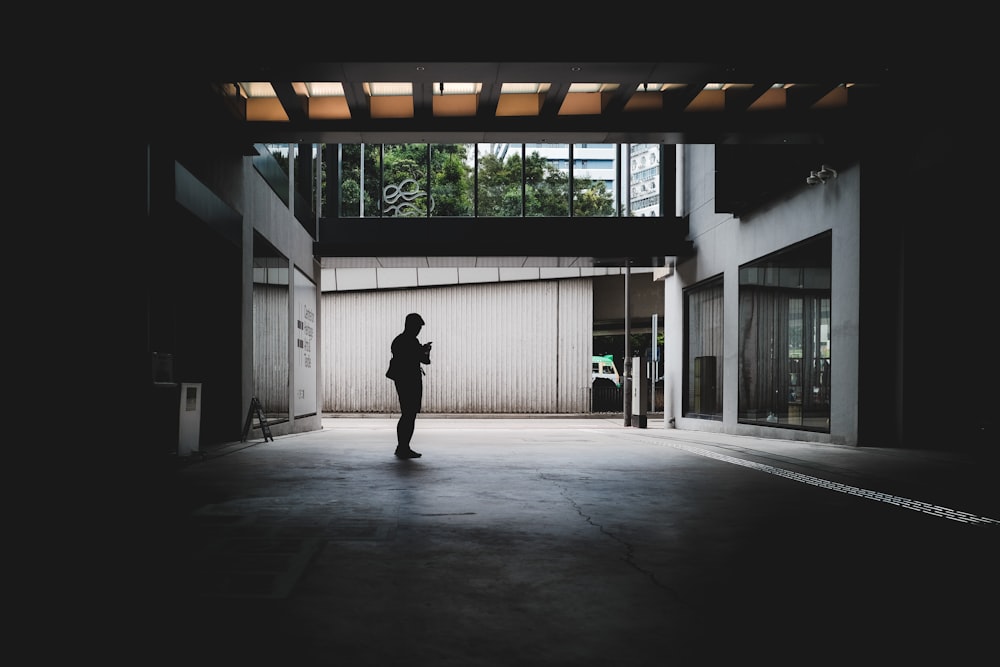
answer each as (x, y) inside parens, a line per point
(571, 542)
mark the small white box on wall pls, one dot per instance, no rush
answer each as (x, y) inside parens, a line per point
(189, 423)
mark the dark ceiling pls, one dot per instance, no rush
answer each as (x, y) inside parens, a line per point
(843, 87)
(188, 72)
(838, 105)
(817, 104)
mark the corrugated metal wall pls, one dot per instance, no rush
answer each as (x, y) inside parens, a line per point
(511, 347)
(270, 351)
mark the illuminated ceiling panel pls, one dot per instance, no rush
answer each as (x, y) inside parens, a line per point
(580, 101)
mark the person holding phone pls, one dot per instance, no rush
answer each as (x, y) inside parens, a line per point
(406, 371)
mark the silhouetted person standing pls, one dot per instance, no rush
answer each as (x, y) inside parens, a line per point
(406, 371)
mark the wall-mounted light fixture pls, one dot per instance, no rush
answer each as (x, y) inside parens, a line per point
(822, 176)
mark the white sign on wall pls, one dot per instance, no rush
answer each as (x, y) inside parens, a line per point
(305, 345)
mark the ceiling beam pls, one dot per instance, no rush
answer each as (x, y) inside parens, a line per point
(741, 99)
(554, 98)
(423, 99)
(802, 96)
(504, 237)
(675, 100)
(357, 100)
(296, 107)
(620, 97)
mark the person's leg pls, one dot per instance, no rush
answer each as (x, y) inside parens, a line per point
(409, 406)
(404, 431)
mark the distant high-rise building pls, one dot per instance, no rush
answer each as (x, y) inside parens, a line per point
(644, 180)
(599, 162)
(593, 161)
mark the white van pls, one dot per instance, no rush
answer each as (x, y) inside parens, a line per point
(604, 370)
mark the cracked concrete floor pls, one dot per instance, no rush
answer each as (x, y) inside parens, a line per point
(563, 542)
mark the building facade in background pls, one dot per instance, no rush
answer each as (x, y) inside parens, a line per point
(763, 327)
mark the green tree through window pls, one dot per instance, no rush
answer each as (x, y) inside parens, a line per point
(401, 172)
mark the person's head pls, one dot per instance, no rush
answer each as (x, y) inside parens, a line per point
(414, 323)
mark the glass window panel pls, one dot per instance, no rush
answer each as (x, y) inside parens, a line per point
(326, 177)
(793, 413)
(302, 163)
(281, 154)
(405, 184)
(784, 334)
(499, 180)
(790, 277)
(451, 179)
(771, 275)
(816, 278)
(795, 328)
(350, 180)
(594, 177)
(703, 378)
(490, 180)
(271, 162)
(644, 180)
(824, 328)
(546, 180)
(372, 180)
(354, 171)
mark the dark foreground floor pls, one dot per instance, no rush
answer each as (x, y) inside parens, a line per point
(569, 542)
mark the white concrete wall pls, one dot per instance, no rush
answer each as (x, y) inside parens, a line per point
(264, 212)
(372, 273)
(517, 347)
(723, 243)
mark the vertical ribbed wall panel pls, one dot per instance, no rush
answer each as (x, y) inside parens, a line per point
(576, 345)
(511, 347)
(270, 352)
(357, 334)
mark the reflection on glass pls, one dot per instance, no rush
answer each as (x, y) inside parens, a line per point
(499, 180)
(546, 180)
(644, 179)
(326, 177)
(594, 176)
(493, 180)
(785, 338)
(451, 179)
(355, 170)
(703, 381)
(405, 181)
(281, 154)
